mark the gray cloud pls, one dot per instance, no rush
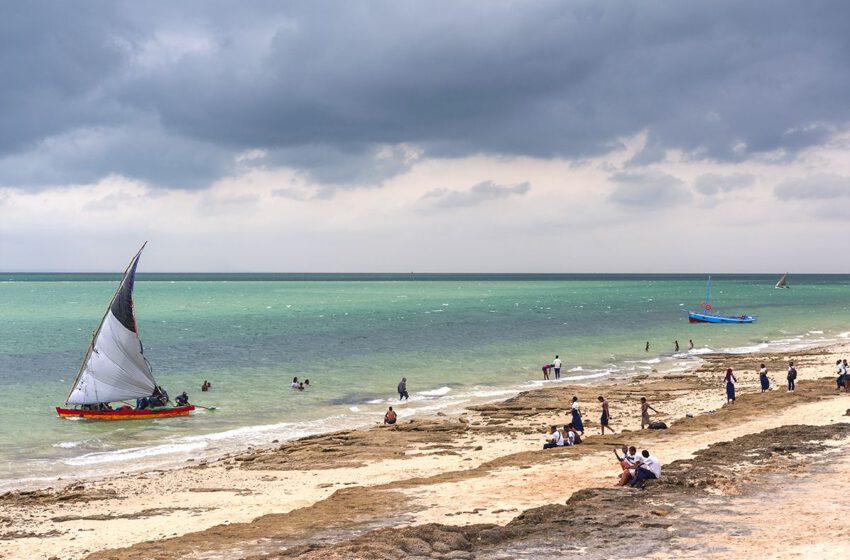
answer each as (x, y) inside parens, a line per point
(325, 86)
(478, 194)
(711, 184)
(817, 187)
(651, 190)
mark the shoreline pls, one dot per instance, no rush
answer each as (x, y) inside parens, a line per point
(417, 469)
(213, 446)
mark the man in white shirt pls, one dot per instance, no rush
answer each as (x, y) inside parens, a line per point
(555, 439)
(647, 467)
(557, 365)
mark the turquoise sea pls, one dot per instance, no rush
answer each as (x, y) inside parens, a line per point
(455, 338)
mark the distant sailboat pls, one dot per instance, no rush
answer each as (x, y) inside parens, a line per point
(708, 317)
(783, 282)
(115, 369)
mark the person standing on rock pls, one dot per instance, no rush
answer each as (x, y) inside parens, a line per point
(730, 386)
(644, 413)
(402, 389)
(763, 379)
(576, 412)
(606, 416)
(792, 377)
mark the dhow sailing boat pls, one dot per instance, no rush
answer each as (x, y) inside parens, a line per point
(782, 282)
(115, 369)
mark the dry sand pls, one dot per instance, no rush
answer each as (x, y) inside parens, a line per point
(478, 484)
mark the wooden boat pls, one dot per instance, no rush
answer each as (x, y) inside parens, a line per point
(114, 368)
(783, 282)
(708, 317)
(125, 414)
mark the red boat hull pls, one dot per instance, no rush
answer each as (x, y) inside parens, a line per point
(125, 414)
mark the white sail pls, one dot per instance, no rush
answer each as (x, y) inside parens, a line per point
(115, 368)
(782, 281)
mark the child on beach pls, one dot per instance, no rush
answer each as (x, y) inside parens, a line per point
(574, 437)
(606, 416)
(792, 377)
(569, 435)
(555, 439)
(576, 412)
(647, 467)
(730, 386)
(846, 375)
(627, 463)
(390, 417)
(763, 379)
(644, 413)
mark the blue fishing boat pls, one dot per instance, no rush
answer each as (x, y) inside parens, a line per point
(708, 317)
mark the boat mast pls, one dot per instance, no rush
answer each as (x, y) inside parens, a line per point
(707, 293)
(100, 326)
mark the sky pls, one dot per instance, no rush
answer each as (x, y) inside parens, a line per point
(438, 136)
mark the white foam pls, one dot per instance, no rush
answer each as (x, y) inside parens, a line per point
(68, 444)
(815, 332)
(494, 393)
(354, 409)
(435, 392)
(134, 453)
(649, 361)
(589, 376)
(746, 349)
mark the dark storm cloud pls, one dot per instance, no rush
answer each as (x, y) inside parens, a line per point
(817, 187)
(478, 194)
(325, 86)
(711, 184)
(649, 190)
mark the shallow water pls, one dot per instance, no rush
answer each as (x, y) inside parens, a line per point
(454, 337)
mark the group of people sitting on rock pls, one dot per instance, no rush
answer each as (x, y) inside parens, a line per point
(637, 469)
(570, 436)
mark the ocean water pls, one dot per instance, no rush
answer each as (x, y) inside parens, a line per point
(455, 337)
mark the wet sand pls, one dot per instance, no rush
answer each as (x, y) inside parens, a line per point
(478, 485)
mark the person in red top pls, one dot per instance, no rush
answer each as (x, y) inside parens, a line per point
(390, 417)
(546, 372)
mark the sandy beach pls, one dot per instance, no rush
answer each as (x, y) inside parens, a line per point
(477, 483)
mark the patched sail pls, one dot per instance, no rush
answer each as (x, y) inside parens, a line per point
(115, 368)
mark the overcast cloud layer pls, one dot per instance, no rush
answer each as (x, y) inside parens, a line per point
(676, 106)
